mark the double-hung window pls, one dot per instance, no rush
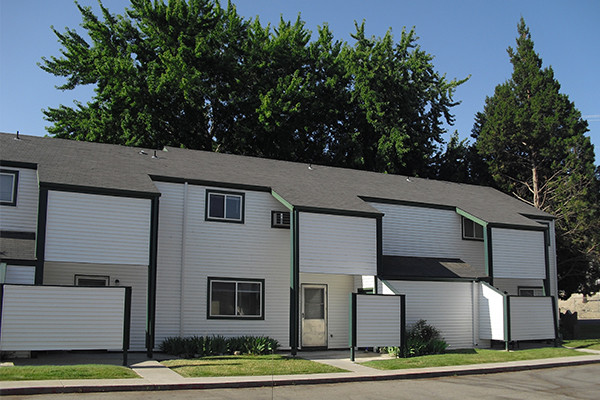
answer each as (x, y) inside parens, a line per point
(224, 206)
(471, 230)
(9, 180)
(236, 298)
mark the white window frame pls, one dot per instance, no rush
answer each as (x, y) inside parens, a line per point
(226, 195)
(475, 224)
(237, 281)
(15, 183)
(532, 291)
(104, 278)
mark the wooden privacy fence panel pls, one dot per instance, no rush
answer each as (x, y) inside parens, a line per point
(377, 320)
(64, 318)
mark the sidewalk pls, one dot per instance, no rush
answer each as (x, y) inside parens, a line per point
(154, 376)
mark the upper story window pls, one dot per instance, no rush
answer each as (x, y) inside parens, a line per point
(224, 206)
(9, 180)
(280, 219)
(471, 230)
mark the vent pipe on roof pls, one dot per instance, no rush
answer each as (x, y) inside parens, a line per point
(154, 155)
(17, 138)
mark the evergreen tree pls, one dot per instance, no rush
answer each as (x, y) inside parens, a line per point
(532, 138)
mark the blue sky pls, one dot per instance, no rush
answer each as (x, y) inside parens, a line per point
(467, 37)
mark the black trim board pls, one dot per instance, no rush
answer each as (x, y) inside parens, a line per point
(61, 187)
(370, 199)
(152, 276)
(379, 248)
(333, 211)
(294, 281)
(17, 164)
(19, 262)
(200, 182)
(516, 226)
(40, 244)
(17, 235)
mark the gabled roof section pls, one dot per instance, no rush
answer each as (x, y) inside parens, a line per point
(112, 167)
(400, 267)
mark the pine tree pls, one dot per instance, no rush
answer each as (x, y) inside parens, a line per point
(532, 138)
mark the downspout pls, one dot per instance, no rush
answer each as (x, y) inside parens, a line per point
(183, 261)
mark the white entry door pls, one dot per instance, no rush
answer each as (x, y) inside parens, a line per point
(314, 315)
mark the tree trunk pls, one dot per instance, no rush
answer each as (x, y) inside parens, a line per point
(536, 188)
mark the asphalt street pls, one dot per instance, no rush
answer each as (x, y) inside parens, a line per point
(575, 382)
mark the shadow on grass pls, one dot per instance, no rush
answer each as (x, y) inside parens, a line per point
(461, 351)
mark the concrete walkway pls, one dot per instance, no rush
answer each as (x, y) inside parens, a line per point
(154, 376)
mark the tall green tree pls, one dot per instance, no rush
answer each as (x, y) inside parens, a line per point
(192, 73)
(398, 103)
(532, 138)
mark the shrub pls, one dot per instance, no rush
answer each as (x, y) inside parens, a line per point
(199, 346)
(421, 339)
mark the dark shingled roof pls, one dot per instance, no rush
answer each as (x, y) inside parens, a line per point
(125, 168)
(399, 267)
(17, 249)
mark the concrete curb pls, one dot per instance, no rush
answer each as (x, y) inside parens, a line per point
(248, 382)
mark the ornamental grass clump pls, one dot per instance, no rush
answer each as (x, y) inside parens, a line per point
(202, 346)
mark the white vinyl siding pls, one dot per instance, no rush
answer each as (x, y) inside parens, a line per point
(191, 249)
(428, 232)
(378, 321)
(448, 306)
(511, 286)
(21, 274)
(60, 318)
(491, 313)
(518, 254)
(531, 318)
(97, 229)
(339, 288)
(335, 244)
(23, 216)
(135, 276)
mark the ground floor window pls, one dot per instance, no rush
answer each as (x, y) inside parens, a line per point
(236, 298)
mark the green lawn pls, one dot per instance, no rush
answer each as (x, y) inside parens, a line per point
(84, 371)
(247, 365)
(593, 344)
(471, 356)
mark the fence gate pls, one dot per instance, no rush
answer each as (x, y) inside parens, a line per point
(376, 321)
(40, 317)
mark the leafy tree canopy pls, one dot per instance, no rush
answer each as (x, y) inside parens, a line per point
(192, 73)
(532, 138)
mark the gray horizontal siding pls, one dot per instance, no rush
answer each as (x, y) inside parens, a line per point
(23, 216)
(531, 318)
(427, 232)
(336, 244)
(20, 274)
(136, 276)
(448, 306)
(378, 321)
(252, 250)
(518, 253)
(97, 229)
(60, 318)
